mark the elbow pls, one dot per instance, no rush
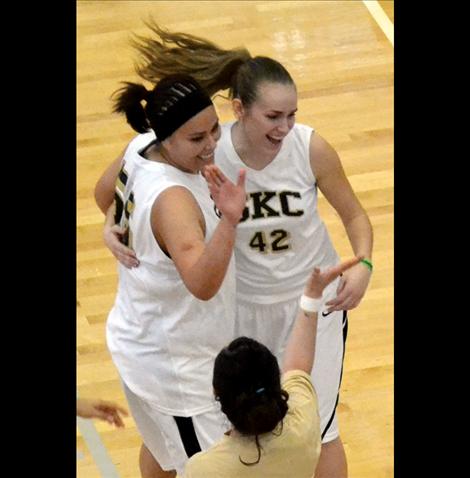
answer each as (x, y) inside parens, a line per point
(304, 365)
(102, 200)
(99, 203)
(105, 187)
(204, 294)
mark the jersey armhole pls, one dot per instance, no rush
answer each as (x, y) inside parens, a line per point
(310, 173)
(166, 253)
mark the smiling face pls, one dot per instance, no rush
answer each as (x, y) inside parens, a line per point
(266, 122)
(192, 145)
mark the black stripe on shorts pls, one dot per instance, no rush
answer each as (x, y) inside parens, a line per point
(345, 334)
(188, 435)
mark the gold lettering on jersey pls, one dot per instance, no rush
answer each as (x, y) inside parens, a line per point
(123, 210)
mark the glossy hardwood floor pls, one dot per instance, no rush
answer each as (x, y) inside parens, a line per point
(343, 66)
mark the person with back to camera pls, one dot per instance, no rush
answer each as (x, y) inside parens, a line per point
(276, 427)
(175, 311)
(280, 236)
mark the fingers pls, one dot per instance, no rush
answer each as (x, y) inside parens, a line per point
(103, 415)
(339, 303)
(110, 412)
(212, 189)
(125, 255)
(351, 262)
(346, 305)
(344, 266)
(125, 251)
(121, 410)
(127, 260)
(110, 406)
(128, 263)
(214, 175)
(341, 285)
(118, 421)
(241, 178)
(344, 301)
(116, 229)
(114, 419)
(216, 178)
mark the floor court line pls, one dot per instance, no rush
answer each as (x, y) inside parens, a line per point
(97, 449)
(381, 18)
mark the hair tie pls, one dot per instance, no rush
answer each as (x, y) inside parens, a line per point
(260, 390)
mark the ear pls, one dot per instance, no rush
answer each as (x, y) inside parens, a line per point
(238, 109)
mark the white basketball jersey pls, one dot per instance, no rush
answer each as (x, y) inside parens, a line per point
(164, 340)
(281, 236)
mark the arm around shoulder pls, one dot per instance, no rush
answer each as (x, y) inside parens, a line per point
(106, 184)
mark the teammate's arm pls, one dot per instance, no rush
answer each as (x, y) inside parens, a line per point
(300, 349)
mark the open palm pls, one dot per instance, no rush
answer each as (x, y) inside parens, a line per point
(229, 198)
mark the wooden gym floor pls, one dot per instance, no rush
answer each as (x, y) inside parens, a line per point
(342, 63)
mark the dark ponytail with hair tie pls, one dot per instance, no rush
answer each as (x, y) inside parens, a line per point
(128, 100)
(248, 386)
(173, 101)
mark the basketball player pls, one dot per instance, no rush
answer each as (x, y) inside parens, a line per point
(276, 427)
(173, 313)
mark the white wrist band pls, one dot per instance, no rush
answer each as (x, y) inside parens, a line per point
(308, 304)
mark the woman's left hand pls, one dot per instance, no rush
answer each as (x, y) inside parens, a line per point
(352, 287)
(229, 198)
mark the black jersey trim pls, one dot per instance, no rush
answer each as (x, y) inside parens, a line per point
(188, 435)
(345, 335)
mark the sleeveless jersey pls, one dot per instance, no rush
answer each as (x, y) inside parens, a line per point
(281, 236)
(162, 339)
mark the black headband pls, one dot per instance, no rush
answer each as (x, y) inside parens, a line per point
(179, 108)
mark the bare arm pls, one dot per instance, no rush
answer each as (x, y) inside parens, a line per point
(113, 236)
(333, 183)
(300, 349)
(104, 189)
(112, 233)
(178, 226)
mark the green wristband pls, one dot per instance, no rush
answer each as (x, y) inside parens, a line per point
(367, 263)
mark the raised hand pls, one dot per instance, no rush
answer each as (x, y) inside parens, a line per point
(318, 280)
(229, 198)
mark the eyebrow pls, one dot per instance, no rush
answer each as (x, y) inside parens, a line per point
(199, 133)
(276, 111)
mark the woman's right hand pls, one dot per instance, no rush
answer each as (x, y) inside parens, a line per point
(112, 236)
